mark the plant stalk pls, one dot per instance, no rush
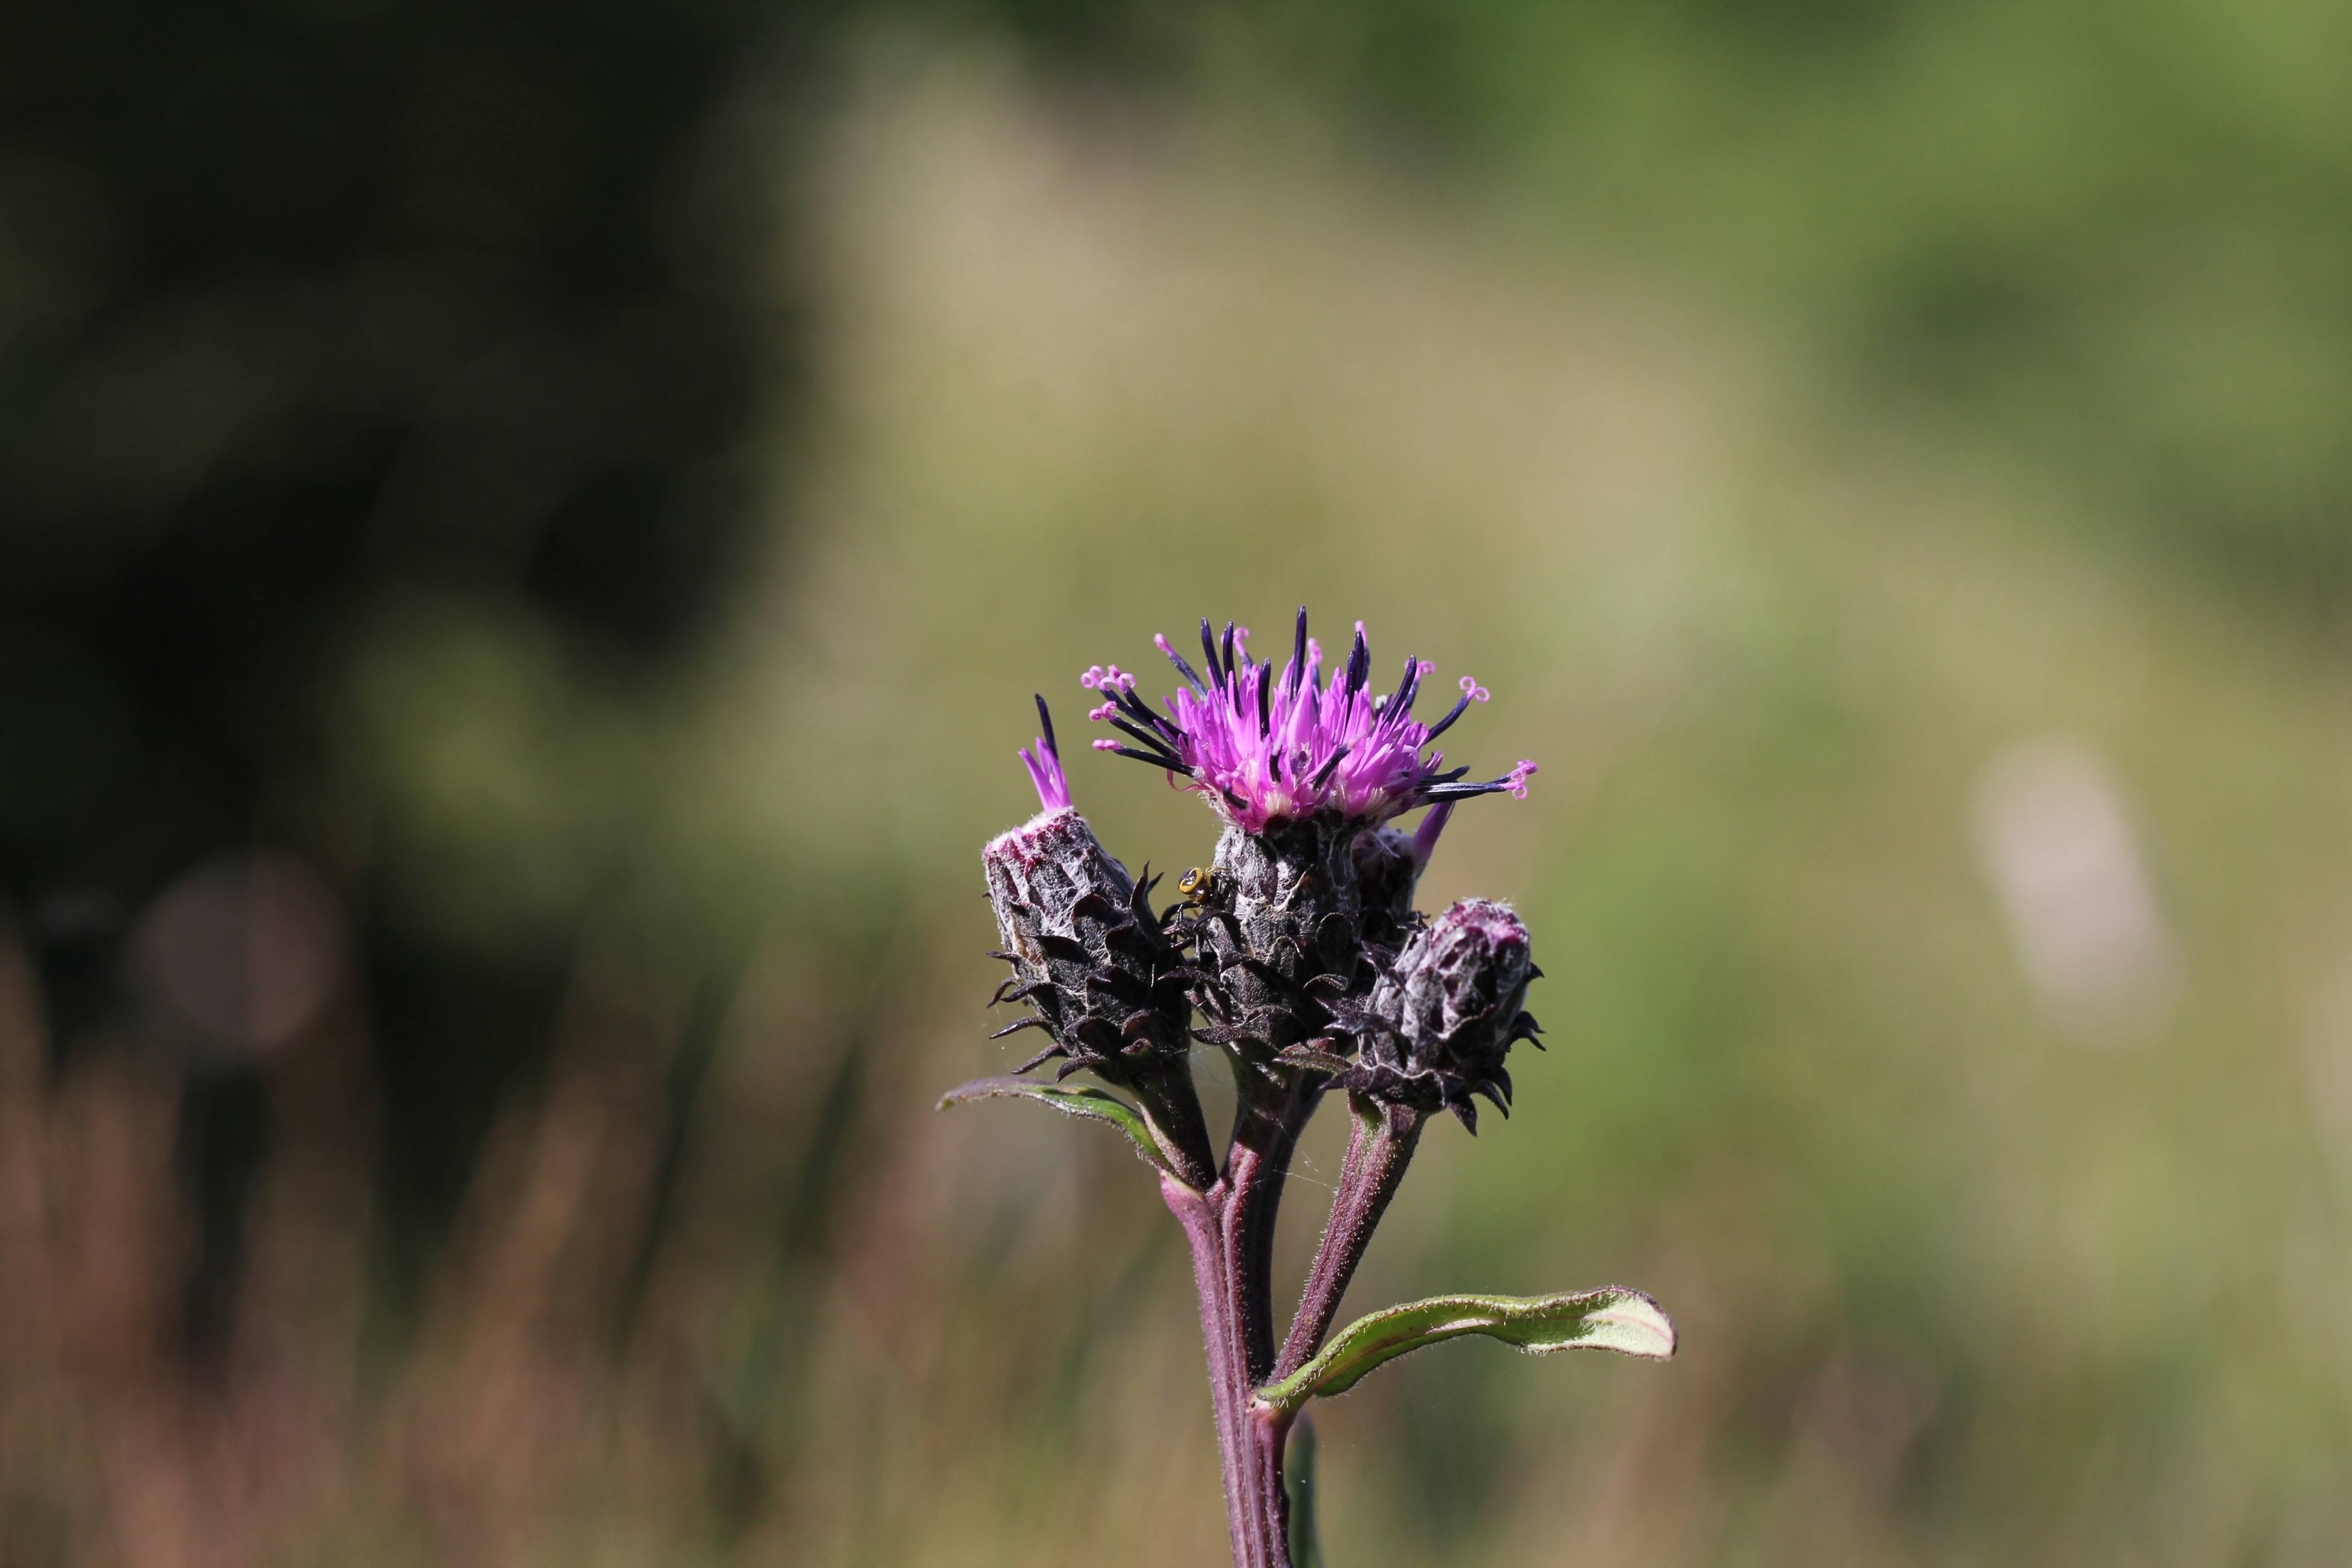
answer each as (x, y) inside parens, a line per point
(1172, 1109)
(1268, 1128)
(1380, 1141)
(1249, 1438)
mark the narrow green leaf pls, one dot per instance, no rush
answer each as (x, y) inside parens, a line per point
(1080, 1101)
(1612, 1319)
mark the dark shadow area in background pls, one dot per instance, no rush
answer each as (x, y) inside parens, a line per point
(313, 305)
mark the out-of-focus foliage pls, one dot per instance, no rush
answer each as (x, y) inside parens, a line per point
(1940, 914)
(348, 350)
(2109, 236)
(1798, 417)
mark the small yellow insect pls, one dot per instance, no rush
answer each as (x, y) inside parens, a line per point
(1196, 885)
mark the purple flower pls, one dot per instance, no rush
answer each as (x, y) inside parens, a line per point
(1268, 746)
(1045, 765)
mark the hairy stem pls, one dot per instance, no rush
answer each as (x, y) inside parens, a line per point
(1380, 1141)
(1250, 1437)
(1268, 1128)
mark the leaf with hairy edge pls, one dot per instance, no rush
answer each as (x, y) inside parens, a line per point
(1097, 1103)
(1612, 1319)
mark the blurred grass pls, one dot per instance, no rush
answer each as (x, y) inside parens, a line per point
(1957, 1285)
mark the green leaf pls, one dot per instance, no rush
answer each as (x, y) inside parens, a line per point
(1612, 1319)
(1081, 1101)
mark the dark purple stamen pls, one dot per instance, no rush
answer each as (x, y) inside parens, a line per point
(1407, 689)
(1298, 670)
(1323, 775)
(1138, 732)
(1464, 791)
(1127, 698)
(1209, 652)
(1053, 749)
(1451, 714)
(1191, 677)
(1156, 759)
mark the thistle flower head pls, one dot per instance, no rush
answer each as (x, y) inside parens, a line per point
(1087, 953)
(1440, 1022)
(1266, 745)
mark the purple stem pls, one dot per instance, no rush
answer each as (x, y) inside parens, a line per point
(1380, 1145)
(1271, 1132)
(1230, 1227)
(1249, 1440)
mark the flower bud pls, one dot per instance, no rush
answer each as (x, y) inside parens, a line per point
(1389, 863)
(1441, 1021)
(1386, 875)
(1087, 951)
(1280, 913)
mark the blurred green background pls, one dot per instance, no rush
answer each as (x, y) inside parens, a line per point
(526, 536)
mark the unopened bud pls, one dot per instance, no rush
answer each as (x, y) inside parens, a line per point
(1087, 951)
(1440, 1022)
(1280, 913)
